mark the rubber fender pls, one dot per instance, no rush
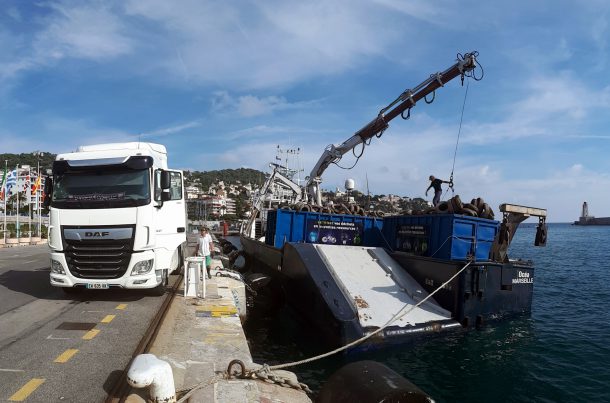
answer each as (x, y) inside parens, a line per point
(541, 234)
(258, 280)
(305, 207)
(287, 208)
(379, 213)
(442, 207)
(469, 212)
(457, 203)
(241, 263)
(326, 210)
(485, 211)
(450, 207)
(431, 210)
(369, 381)
(228, 248)
(233, 256)
(417, 212)
(473, 209)
(360, 211)
(345, 209)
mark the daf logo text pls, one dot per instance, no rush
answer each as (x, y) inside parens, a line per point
(96, 234)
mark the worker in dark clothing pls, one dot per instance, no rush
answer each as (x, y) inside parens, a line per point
(438, 191)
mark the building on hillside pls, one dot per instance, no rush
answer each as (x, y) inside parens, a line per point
(230, 206)
(193, 192)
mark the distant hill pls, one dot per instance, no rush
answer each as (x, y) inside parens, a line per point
(206, 178)
(228, 176)
(12, 160)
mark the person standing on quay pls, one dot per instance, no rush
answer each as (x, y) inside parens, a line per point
(205, 246)
(438, 191)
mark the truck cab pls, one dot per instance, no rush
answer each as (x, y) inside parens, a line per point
(117, 217)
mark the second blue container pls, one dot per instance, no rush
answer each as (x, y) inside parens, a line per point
(441, 236)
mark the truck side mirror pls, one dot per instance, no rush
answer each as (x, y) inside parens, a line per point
(48, 191)
(165, 181)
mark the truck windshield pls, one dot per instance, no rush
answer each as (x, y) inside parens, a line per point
(106, 188)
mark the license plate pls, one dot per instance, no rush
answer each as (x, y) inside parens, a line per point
(97, 286)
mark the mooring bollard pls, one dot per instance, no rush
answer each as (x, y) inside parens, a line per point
(195, 277)
(147, 370)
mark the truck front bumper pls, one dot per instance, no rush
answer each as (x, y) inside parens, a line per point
(66, 279)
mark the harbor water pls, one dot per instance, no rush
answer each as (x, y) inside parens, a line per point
(559, 353)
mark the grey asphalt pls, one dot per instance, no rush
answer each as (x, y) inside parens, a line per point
(33, 321)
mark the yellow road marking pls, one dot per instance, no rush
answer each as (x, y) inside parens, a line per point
(216, 311)
(108, 319)
(66, 355)
(90, 334)
(121, 306)
(26, 390)
(217, 308)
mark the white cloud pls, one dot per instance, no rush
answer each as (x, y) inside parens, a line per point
(171, 130)
(88, 32)
(251, 105)
(91, 32)
(14, 13)
(268, 44)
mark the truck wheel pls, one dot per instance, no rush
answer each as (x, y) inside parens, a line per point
(180, 268)
(160, 289)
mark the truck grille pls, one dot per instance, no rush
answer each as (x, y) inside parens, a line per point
(98, 259)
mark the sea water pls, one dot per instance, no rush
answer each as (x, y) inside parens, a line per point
(559, 353)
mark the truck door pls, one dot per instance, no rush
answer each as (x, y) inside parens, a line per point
(170, 217)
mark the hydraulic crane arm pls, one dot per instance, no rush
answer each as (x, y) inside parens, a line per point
(406, 100)
(274, 178)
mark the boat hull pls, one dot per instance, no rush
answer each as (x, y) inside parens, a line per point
(312, 287)
(483, 292)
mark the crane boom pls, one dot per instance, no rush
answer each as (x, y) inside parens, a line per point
(406, 100)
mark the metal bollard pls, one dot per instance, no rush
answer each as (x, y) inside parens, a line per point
(195, 277)
(147, 370)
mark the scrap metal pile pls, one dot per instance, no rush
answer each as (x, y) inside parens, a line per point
(476, 208)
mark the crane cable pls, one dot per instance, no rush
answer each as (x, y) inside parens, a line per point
(458, 137)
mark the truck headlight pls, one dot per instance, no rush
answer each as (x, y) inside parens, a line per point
(56, 267)
(142, 267)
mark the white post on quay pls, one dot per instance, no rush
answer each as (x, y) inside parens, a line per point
(147, 370)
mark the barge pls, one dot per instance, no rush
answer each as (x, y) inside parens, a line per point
(353, 274)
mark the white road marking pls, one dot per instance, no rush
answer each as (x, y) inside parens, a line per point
(11, 370)
(50, 337)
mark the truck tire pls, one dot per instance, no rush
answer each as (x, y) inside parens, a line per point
(180, 268)
(160, 289)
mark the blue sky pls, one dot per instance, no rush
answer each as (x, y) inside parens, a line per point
(222, 83)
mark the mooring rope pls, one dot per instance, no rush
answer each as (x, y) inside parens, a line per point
(267, 368)
(397, 316)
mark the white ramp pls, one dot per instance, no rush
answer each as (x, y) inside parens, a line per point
(379, 287)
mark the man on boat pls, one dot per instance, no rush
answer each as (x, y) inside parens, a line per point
(438, 191)
(205, 246)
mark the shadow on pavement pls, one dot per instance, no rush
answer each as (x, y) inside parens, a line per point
(36, 284)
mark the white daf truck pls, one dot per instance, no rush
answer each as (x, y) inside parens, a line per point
(117, 218)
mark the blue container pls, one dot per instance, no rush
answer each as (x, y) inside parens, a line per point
(336, 229)
(441, 236)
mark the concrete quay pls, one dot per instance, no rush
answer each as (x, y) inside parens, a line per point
(201, 336)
